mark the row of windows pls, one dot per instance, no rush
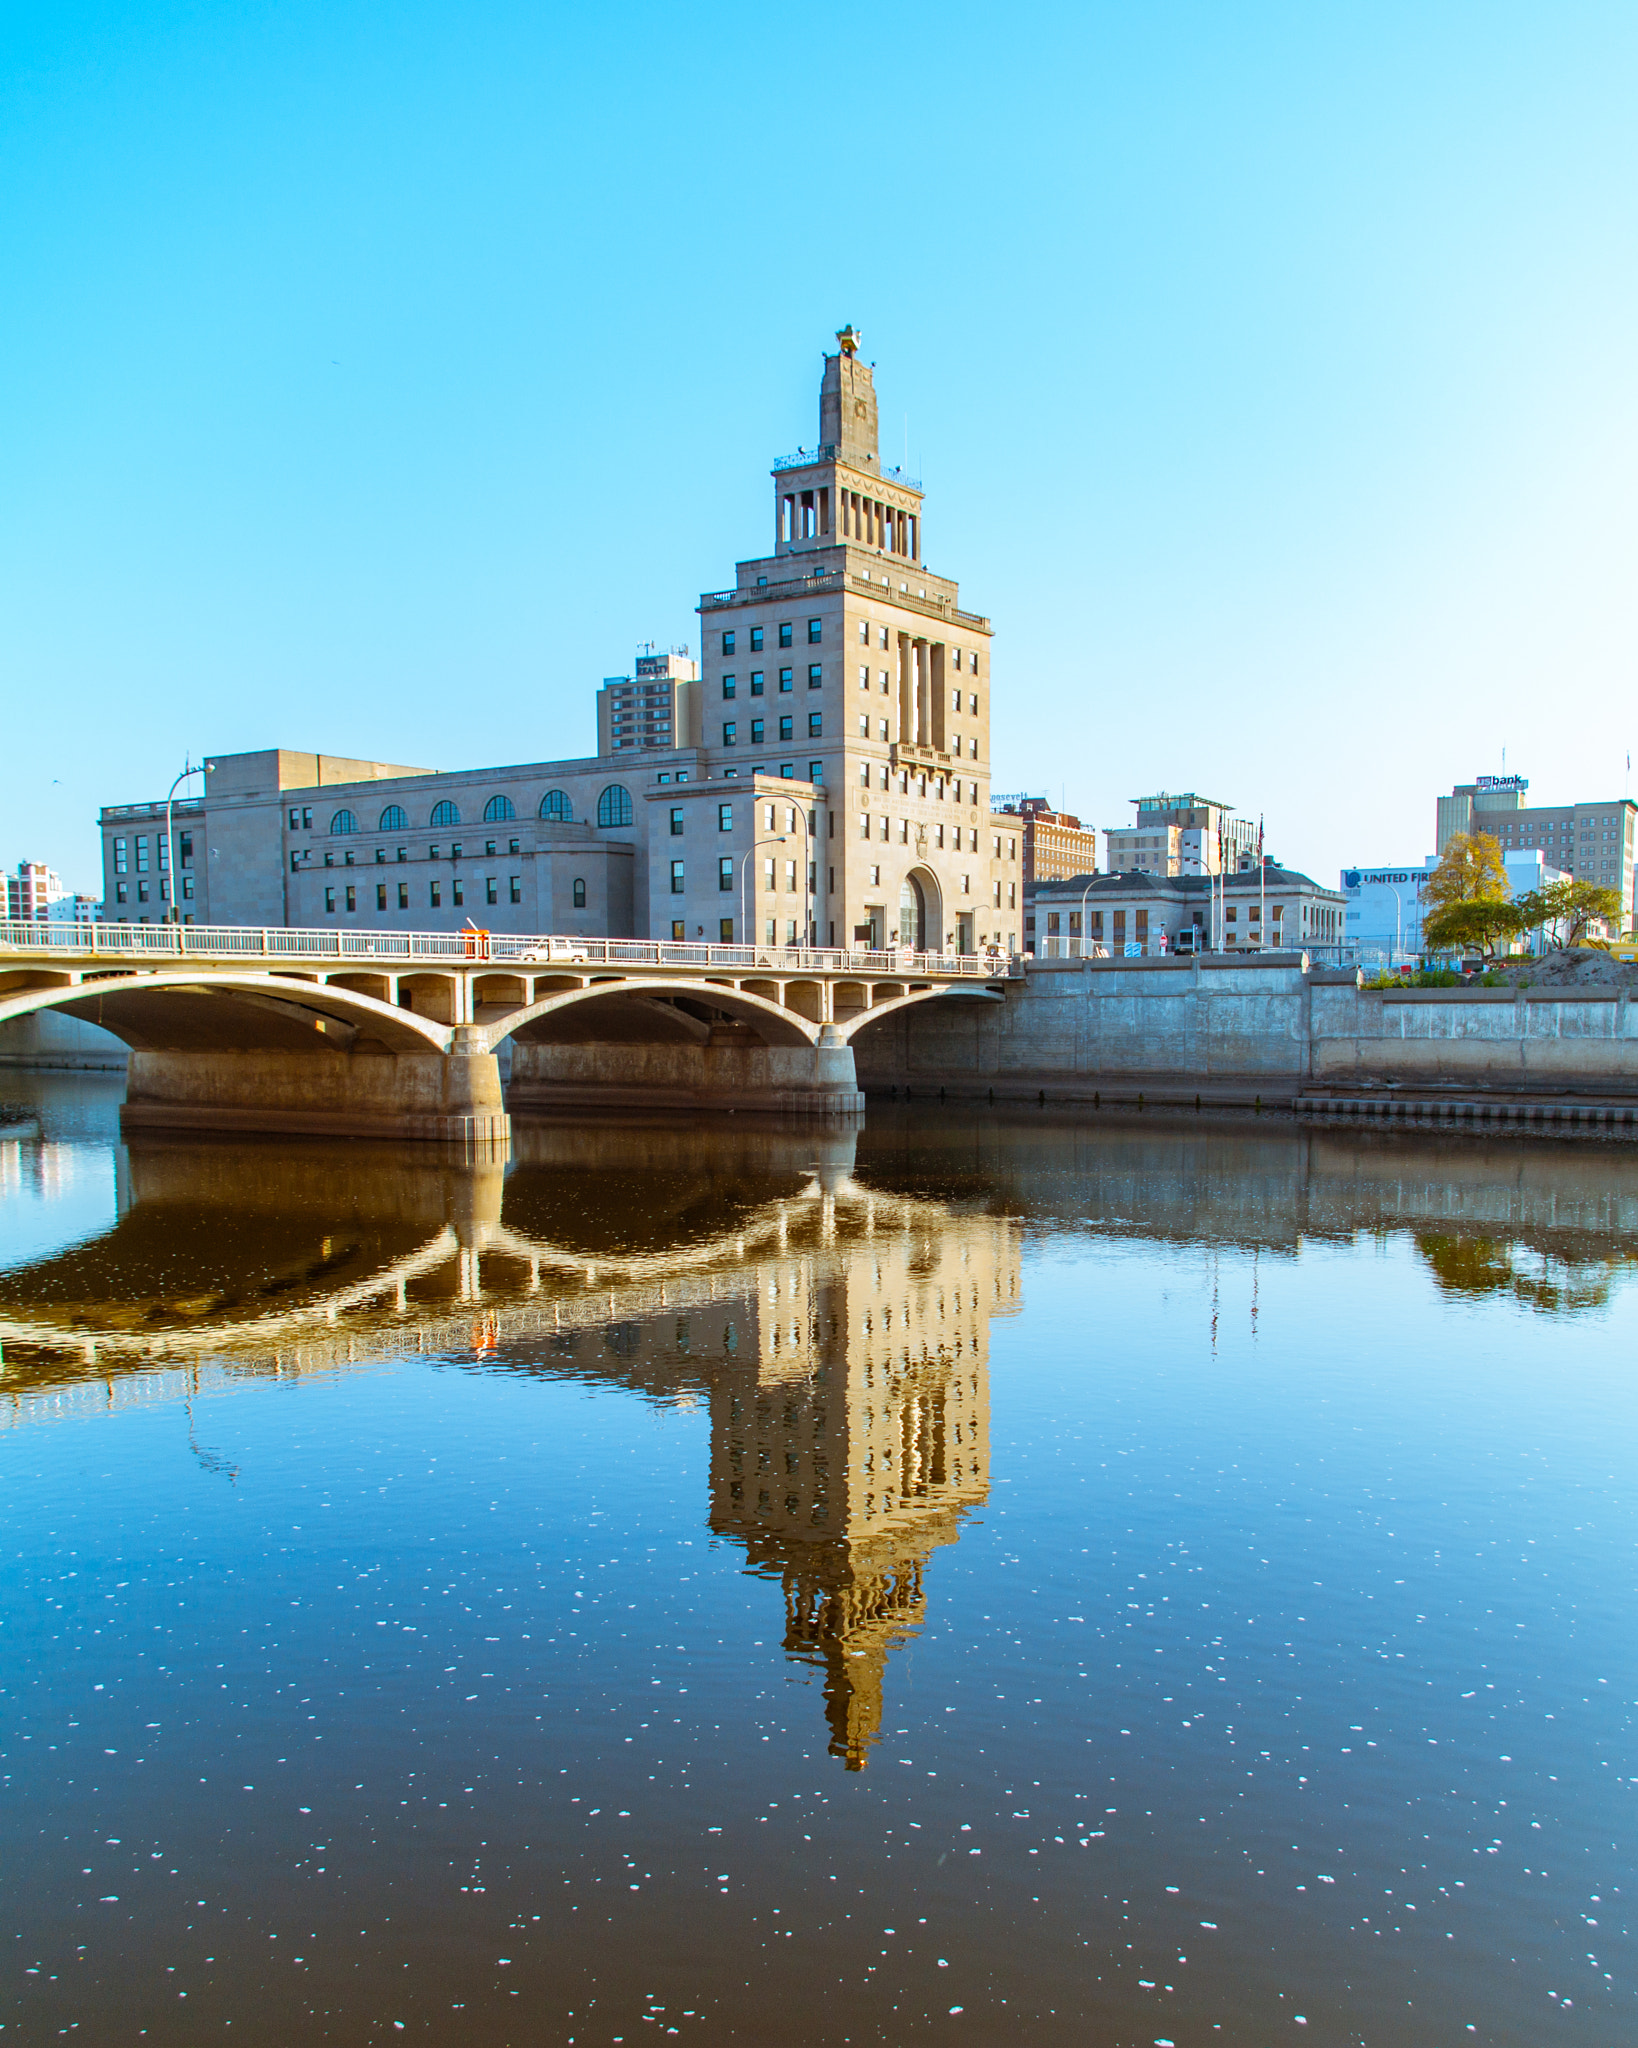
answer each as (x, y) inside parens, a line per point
(435, 894)
(121, 889)
(759, 681)
(883, 830)
(613, 808)
(725, 876)
(787, 729)
(162, 852)
(816, 633)
(725, 819)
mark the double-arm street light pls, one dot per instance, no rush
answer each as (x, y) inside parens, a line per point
(747, 929)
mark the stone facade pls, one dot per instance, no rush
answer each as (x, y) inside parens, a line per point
(842, 690)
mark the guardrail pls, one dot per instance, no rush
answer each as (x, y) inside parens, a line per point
(153, 942)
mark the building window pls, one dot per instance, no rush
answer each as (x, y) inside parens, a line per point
(295, 863)
(329, 860)
(884, 730)
(676, 821)
(343, 821)
(725, 817)
(445, 813)
(435, 894)
(816, 631)
(380, 895)
(864, 734)
(728, 643)
(330, 901)
(295, 818)
(756, 639)
(757, 726)
(614, 805)
(785, 633)
(579, 893)
(185, 840)
(394, 819)
(120, 867)
(816, 771)
(730, 733)
(725, 930)
(307, 817)
(725, 872)
(966, 885)
(119, 892)
(142, 892)
(785, 681)
(771, 927)
(730, 687)
(498, 809)
(491, 889)
(403, 895)
(758, 682)
(459, 888)
(816, 725)
(884, 825)
(679, 929)
(352, 897)
(816, 676)
(142, 856)
(515, 888)
(555, 805)
(785, 729)
(864, 824)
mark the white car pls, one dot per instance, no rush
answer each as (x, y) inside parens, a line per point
(558, 949)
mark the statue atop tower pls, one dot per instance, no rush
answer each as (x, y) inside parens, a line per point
(847, 405)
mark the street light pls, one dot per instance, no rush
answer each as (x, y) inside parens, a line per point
(175, 915)
(1084, 894)
(746, 925)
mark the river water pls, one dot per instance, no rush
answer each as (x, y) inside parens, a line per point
(988, 1579)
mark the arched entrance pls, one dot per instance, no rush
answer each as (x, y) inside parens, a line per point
(920, 925)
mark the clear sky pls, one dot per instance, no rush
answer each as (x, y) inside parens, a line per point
(374, 378)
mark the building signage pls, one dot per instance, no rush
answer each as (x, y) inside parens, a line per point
(1355, 878)
(1501, 781)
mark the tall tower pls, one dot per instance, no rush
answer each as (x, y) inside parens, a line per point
(842, 662)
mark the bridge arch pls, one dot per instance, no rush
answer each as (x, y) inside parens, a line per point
(849, 1028)
(193, 1011)
(626, 1009)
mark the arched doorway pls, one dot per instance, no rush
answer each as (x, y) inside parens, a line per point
(919, 913)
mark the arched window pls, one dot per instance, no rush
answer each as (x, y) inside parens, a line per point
(614, 805)
(394, 819)
(343, 821)
(555, 804)
(446, 813)
(579, 893)
(498, 809)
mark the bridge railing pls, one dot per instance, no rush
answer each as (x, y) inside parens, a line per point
(155, 942)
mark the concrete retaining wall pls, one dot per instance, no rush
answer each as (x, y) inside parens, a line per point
(49, 1039)
(793, 1080)
(329, 1094)
(1238, 1030)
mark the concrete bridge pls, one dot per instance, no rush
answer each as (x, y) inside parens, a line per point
(354, 1033)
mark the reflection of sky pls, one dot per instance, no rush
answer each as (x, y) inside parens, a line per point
(53, 1195)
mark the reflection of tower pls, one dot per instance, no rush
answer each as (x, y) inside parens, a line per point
(850, 1439)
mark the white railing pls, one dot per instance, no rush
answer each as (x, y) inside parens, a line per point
(155, 942)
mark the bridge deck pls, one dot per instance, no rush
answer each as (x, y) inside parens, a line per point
(152, 944)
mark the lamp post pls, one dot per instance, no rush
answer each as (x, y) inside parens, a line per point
(744, 913)
(175, 915)
(1084, 894)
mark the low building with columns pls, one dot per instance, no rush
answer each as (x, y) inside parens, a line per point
(822, 772)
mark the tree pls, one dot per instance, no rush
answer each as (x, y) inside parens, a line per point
(1465, 898)
(1565, 908)
(1470, 871)
(1479, 921)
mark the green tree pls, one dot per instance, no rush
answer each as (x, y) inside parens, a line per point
(1479, 921)
(1565, 908)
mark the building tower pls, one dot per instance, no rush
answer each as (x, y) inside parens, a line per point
(839, 661)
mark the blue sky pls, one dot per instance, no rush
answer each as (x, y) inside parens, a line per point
(374, 378)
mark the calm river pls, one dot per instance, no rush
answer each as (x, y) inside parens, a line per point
(988, 1580)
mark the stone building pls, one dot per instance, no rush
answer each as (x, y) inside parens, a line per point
(1141, 915)
(823, 771)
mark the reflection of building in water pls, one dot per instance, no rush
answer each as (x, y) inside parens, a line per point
(845, 1447)
(838, 1335)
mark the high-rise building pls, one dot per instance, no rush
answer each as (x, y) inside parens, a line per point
(1593, 842)
(1182, 834)
(32, 892)
(822, 774)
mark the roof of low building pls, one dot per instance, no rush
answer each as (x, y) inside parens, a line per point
(1139, 880)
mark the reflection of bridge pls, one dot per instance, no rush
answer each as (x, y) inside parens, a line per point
(352, 1033)
(838, 1334)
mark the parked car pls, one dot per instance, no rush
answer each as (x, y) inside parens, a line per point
(558, 949)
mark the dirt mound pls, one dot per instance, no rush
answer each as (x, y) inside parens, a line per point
(1571, 967)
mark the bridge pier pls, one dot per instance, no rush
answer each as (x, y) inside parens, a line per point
(452, 1097)
(729, 1069)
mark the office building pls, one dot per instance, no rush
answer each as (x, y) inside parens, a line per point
(1383, 921)
(1055, 845)
(842, 693)
(34, 894)
(1182, 834)
(1594, 841)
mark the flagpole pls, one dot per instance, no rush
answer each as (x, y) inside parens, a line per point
(1262, 880)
